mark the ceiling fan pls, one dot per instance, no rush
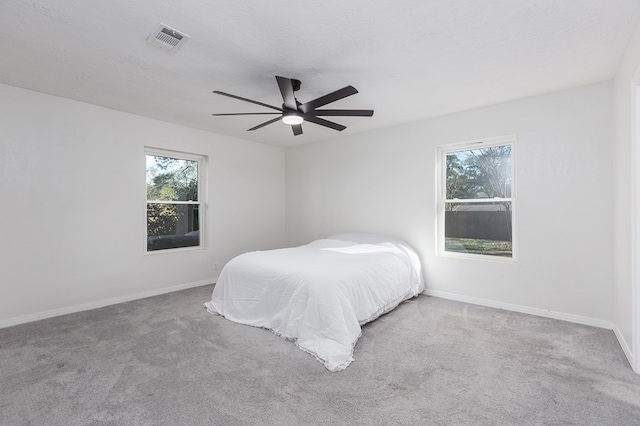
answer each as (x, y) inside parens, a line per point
(295, 113)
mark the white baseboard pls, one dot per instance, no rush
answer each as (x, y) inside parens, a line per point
(594, 322)
(623, 343)
(542, 313)
(101, 303)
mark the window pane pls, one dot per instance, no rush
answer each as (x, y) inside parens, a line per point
(478, 228)
(171, 179)
(479, 173)
(172, 226)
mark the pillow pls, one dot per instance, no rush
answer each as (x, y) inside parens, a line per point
(367, 238)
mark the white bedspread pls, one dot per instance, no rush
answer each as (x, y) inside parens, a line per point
(318, 294)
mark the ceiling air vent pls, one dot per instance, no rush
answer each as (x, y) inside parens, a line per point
(168, 38)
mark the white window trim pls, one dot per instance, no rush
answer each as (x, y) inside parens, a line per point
(441, 178)
(202, 202)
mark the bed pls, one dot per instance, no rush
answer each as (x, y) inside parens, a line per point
(319, 294)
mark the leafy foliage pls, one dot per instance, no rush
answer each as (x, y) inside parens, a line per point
(170, 179)
(479, 173)
(457, 178)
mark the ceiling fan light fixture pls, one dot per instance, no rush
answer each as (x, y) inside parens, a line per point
(295, 113)
(292, 118)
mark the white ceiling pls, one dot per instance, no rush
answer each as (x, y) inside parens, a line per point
(409, 60)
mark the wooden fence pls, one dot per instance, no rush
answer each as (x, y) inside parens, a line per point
(486, 225)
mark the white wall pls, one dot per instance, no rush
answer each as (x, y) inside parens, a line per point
(384, 181)
(72, 185)
(624, 175)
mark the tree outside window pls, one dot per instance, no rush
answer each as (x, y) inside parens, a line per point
(476, 200)
(173, 201)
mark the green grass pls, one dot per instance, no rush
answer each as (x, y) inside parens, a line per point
(486, 247)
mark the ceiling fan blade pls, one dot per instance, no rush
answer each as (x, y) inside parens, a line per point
(327, 99)
(264, 124)
(323, 122)
(286, 89)
(297, 129)
(249, 113)
(343, 112)
(217, 92)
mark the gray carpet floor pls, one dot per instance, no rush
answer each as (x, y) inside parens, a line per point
(165, 361)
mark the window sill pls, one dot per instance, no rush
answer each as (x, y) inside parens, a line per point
(174, 250)
(456, 255)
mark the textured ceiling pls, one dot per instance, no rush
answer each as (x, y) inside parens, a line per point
(409, 60)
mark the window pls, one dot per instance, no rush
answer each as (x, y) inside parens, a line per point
(476, 199)
(174, 200)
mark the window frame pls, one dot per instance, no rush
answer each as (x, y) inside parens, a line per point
(201, 203)
(441, 193)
